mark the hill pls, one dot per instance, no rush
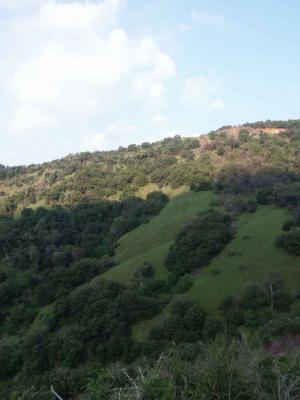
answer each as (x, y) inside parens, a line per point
(114, 256)
(249, 258)
(173, 162)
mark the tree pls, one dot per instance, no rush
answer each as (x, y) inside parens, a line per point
(273, 285)
(244, 135)
(290, 241)
(202, 238)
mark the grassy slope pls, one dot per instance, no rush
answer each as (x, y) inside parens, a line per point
(150, 242)
(258, 257)
(254, 241)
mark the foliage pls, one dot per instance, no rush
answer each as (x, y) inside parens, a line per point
(185, 324)
(61, 224)
(221, 369)
(202, 238)
(290, 241)
(247, 158)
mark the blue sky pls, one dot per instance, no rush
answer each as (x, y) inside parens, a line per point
(93, 75)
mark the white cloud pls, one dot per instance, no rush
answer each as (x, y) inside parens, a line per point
(199, 89)
(18, 4)
(75, 17)
(71, 59)
(159, 119)
(120, 128)
(149, 83)
(27, 119)
(93, 142)
(113, 136)
(202, 91)
(217, 105)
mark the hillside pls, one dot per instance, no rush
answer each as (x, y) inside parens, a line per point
(110, 257)
(173, 162)
(150, 242)
(249, 258)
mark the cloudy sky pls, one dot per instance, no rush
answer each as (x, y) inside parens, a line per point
(90, 75)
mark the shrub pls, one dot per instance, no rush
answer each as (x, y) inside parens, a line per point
(290, 241)
(201, 239)
(156, 202)
(264, 196)
(184, 283)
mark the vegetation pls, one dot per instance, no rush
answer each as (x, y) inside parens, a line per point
(248, 158)
(202, 238)
(220, 369)
(102, 273)
(150, 242)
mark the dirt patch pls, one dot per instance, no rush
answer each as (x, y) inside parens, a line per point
(235, 130)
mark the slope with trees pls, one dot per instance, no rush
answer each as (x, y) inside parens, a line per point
(92, 275)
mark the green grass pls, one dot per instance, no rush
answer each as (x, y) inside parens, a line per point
(150, 242)
(258, 257)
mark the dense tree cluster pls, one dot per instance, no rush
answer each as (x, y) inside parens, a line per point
(92, 176)
(290, 237)
(58, 249)
(199, 241)
(185, 324)
(266, 306)
(290, 241)
(237, 204)
(47, 255)
(41, 238)
(235, 178)
(91, 324)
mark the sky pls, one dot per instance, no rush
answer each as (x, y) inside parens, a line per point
(92, 75)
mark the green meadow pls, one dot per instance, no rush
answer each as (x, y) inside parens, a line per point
(250, 257)
(150, 242)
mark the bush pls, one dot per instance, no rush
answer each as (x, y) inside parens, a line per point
(185, 324)
(184, 283)
(154, 287)
(244, 135)
(10, 359)
(144, 272)
(156, 201)
(264, 196)
(287, 195)
(200, 240)
(290, 241)
(238, 204)
(288, 225)
(282, 326)
(201, 186)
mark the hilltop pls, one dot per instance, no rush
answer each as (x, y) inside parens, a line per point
(171, 163)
